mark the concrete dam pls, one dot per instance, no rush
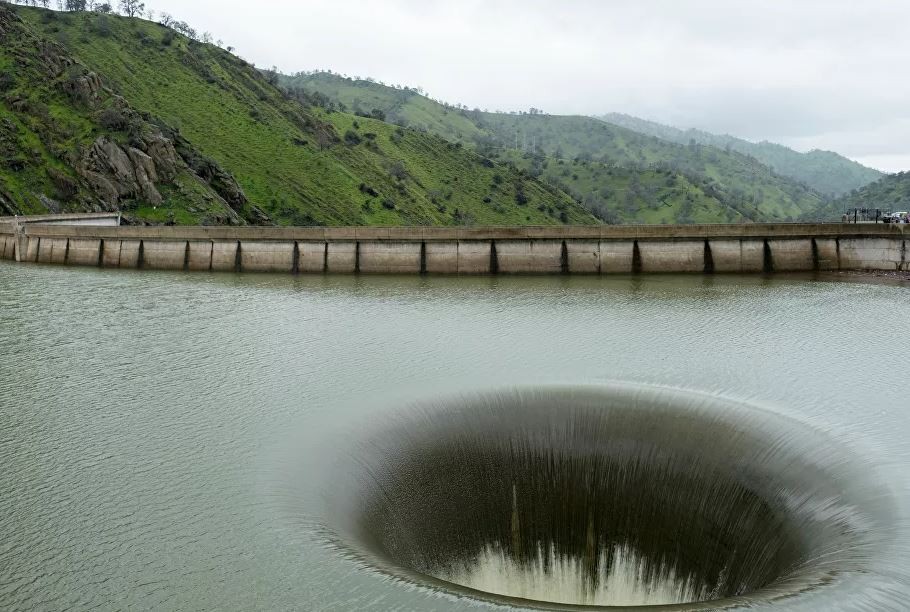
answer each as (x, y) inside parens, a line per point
(98, 240)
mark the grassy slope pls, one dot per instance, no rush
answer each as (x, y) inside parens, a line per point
(42, 131)
(293, 162)
(824, 171)
(737, 181)
(401, 106)
(638, 195)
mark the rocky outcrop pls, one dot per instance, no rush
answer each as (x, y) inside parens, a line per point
(162, 152)
(86, 87)
(53, 58)
(7, 208)
(115, 173)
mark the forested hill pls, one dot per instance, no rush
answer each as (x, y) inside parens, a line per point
(611, 169)
(889, 194)
(824, 171)
(102, 112)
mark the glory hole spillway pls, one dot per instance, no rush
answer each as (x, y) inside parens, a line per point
(471, 419)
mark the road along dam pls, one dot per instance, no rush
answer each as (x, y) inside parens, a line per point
(751, 248)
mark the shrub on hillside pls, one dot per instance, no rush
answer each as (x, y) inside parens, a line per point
(66, 186)
(7, 81)
(521, 197)
(351, 138)
(370, 191)
(398, 171)
(113, 119)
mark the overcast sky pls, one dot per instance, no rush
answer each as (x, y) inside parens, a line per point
(830, 74)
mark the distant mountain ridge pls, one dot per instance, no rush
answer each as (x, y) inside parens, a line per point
(824, 171)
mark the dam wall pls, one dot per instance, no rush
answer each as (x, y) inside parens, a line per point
(693, 249)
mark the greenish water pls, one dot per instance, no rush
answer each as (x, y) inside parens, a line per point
(149, 421)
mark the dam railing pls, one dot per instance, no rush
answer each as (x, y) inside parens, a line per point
(607, 249)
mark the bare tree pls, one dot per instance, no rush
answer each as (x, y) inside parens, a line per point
(132, 8)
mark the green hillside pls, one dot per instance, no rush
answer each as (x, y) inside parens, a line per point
(106, 112)
(736, 185)
(823, 171)
(618, 194)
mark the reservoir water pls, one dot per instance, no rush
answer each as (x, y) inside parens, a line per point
(206, 441)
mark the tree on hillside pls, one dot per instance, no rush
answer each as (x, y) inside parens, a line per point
(132, 8)
(75, 5)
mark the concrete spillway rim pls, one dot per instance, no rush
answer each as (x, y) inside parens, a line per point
(368, 560)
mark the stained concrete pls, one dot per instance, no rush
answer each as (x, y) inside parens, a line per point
(312, 257)
(30, 251)
(7, 246)
(391, 257)
(476, 250)
(474, 257)
(267, 256)
(827, 254)
(111, 257)
(458, 257)
(871, 254)
(673, 256)
(200, 255)
(342, 258)
(583, 256)
(791, 255)
(84, 252)
(616, 257)
(52, 251)
(737, 256)
(163, 255)
(529, 256)
(442, 257)
(224, 256)
(129, 253)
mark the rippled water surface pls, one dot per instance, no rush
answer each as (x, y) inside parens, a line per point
(149, 422)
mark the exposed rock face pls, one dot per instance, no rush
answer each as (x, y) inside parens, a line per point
(53, 58)
(53, 206)
(146, 174)
(7, 208)
(162, 152)
(86, 88)
(115, 173)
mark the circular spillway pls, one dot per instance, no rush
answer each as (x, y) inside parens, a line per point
(608, 496)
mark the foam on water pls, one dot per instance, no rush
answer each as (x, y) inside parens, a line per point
(550, 577)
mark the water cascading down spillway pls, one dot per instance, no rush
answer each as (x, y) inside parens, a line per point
(613, 496)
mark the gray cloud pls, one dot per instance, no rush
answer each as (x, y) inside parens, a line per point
(827, 74)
